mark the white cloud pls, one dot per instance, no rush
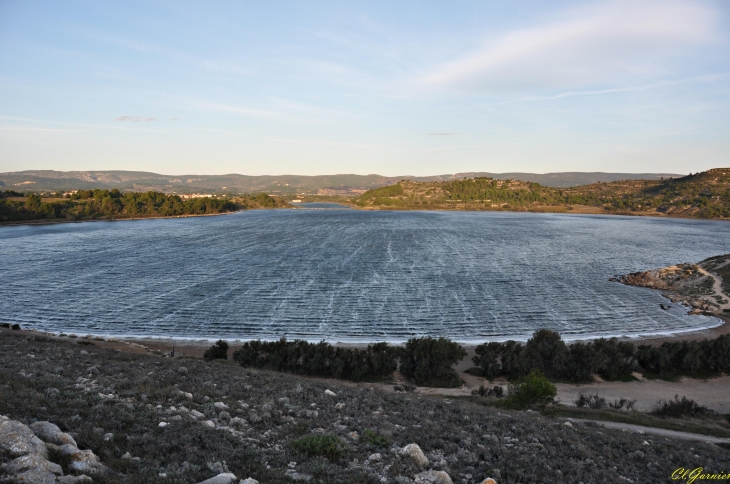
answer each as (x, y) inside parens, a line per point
(590, 45)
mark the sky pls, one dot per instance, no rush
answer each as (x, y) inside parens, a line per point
(394, 88)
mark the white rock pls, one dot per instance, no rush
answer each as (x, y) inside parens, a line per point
(375, 457)
(488, 480)
(223, 478)
(35, 476)
(16, 440)
(414, 452)
(209, 423)
(162, 424)
(220, 406)
(340, 406)
(433, 477)
(330, 393)
(48, 432)
(196, 414)
(249, 480)
(82, 461)
(108, 437)
(568, 424)
(29, 462)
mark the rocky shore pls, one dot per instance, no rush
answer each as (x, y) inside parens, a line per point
(703, 287)
(183, 420)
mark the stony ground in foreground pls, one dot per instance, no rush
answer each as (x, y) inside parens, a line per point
(221, 417)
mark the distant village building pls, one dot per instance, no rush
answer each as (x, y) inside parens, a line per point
(196, 195)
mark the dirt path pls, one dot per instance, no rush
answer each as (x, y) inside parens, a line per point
(717, 287)
(657, 431)
(713, 393)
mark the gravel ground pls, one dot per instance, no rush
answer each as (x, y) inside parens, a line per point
(247, 419)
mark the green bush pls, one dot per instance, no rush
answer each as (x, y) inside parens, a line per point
(373, 438)
(532, 390)
(428, 362)
(321, 359)
(329, 446)
(219, 351)
(681, 408)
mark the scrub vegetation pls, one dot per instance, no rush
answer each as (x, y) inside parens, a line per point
(701, 195)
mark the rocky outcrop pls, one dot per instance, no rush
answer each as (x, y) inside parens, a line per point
(699, 287)
(414, 452)
(433, 477)
(29, 447)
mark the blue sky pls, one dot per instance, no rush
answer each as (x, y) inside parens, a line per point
(386, 87)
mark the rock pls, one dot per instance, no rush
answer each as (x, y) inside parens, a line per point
(35, 476)
(375, 457)
(330, 393)
(17, 440)
(83, 478)
(220, 406)
(354, 436)
(187, 395)
(249, 480)
(30, 462)
(195, 414)
(182, 370)
(568, 424)
(222, 478)
(82, 461)
(297, 476)
(414, 452)
(340, 406)
(238, 422)
(488, 480)
(162, 424)
(432, 477)
(108, 437)
(209, 424)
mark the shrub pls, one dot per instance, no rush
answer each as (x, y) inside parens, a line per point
(534, 389)
(320, 359)
(546, 352)
(428, 361)
(495, 391)
(681, 408)
(623, 404)
(219, 351)
(613, 359)
(591, 401)
(373, 438)
(329, 446)
(487, 359)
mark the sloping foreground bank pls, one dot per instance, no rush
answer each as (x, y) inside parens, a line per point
(219, 417)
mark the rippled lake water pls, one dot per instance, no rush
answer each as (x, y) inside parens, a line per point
(348, 275)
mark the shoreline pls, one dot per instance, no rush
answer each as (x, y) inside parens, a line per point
(66, 221)
(582, 210)
(195, 346)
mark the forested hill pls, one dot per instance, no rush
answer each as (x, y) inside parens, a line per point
(112, 204)
(702, 195)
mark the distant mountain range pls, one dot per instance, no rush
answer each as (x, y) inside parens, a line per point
(53, 181)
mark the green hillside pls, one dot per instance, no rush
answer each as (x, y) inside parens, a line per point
(702, 195)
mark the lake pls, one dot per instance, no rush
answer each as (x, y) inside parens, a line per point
(350, 276)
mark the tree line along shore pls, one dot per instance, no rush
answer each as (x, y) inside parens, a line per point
(114, 204)
(702, 195)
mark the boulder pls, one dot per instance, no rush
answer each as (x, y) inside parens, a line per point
(50, 433)
(209, 424)
(414, 452)
(330, 393)
(30, 462)
(223, 478)
(249, 480)
(82, 479)
(17, 440)
(35, 476)
(220, 406)
(432, 477)
(82, 461)
(488, 480)
(195, 414)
